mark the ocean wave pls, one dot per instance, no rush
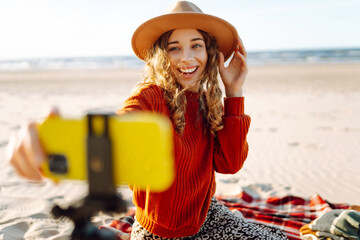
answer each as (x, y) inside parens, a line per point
(122, 62)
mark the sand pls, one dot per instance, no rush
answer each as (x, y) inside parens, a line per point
(304, 136)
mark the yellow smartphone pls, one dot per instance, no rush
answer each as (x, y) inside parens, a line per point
(141, 148)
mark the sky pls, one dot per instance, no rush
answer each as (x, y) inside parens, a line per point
(74, 28)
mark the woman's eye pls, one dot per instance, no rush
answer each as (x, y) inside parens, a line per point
(173, 49)
(197, 46)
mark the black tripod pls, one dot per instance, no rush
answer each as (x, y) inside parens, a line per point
(102, 194)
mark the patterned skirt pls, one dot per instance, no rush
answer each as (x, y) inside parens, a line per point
(220, 223)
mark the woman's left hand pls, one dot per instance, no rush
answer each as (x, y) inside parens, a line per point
(233, 76)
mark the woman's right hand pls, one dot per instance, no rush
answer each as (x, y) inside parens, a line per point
(25, 152)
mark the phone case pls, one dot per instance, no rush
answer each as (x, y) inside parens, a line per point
(142, 150)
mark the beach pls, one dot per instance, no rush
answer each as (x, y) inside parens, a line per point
(304, 137)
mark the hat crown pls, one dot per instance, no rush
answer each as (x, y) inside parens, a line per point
(184, 14)
(184, 6)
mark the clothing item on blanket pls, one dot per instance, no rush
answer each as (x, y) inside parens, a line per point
(307, 234)
(339, 222)
(355, 207)
(336, 224)
(288, 213)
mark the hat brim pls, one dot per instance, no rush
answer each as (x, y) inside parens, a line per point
(147, 34)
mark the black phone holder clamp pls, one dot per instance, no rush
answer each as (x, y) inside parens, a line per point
(102, 195)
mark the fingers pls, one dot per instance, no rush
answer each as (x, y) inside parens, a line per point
(25, 167)
(241, 53)
(243, 60)
(33, 150)
(238, 62)
(240, 47)
(24, 152)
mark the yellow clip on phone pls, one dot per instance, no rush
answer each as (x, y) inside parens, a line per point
(141, 149)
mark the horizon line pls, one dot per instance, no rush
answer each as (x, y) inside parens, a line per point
(133, 55)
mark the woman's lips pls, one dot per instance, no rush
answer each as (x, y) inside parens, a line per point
(188, 72)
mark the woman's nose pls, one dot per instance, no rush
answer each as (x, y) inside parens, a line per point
(187, 55)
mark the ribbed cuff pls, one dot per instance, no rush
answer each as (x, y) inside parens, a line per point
(234, 106)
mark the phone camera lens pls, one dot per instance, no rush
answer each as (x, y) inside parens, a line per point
(58, 164)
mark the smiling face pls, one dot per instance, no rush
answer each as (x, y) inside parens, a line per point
(188, 57)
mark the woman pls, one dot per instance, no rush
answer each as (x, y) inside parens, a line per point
(184, 50)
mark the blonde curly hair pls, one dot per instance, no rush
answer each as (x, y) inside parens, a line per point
(157, 71)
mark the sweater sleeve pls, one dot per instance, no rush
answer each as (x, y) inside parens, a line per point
(143, 99)
(230, 146)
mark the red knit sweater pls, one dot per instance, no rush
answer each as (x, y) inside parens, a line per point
(181, 210)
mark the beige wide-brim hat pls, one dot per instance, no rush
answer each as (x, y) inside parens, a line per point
(184, 15)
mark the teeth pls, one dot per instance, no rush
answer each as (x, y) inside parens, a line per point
(188, 70)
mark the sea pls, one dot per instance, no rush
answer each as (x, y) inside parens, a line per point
(350, 55)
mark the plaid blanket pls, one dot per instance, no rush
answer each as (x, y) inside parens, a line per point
(289, 213)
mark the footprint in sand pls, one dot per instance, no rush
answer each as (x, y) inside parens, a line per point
(325, 128)
(293, 144)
